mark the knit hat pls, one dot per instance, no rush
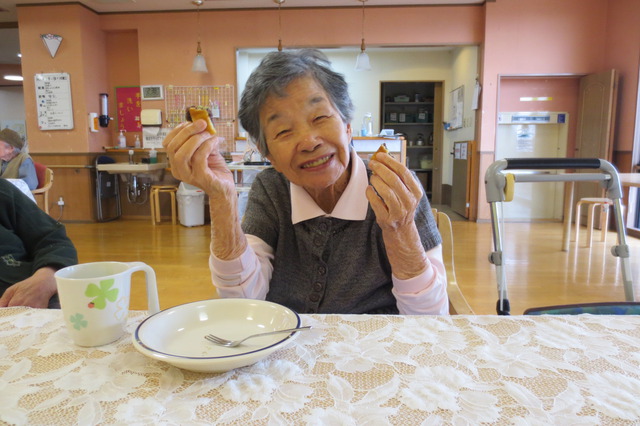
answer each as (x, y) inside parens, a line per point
(12, 138)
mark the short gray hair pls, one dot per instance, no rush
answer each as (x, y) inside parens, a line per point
(275, 72)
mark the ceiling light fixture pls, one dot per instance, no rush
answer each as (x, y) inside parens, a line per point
(13, 77)
(362, 61)
(279, 3)
(199, 64)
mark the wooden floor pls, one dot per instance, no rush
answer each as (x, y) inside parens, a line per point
(538, 273)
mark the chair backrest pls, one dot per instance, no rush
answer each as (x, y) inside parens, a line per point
(45, 178)
(457, 302)
(41, 173)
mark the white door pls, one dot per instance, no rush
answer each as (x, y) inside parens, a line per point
(539, 200)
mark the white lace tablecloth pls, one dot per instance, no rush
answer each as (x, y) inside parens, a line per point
(349, 370)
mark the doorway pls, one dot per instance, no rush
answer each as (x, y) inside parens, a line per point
(532, 98)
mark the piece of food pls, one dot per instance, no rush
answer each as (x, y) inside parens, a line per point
(194, 114)
(383, 148)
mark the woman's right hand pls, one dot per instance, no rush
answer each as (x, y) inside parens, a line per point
(196, 160)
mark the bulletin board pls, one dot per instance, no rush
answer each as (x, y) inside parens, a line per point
(128, 108)
(53, 101)
(218, 99)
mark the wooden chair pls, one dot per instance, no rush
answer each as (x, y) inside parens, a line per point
(45, 181)
(457, 302)
(592, 203)
(154, 202)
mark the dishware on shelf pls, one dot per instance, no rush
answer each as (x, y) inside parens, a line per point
(175, 335)
(233, 343)
(94, 298)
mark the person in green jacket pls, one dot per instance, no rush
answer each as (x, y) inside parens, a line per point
(33, 246)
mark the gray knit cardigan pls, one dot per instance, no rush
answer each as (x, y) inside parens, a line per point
(326, 265)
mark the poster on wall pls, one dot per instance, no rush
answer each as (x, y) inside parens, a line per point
(457, 108)
(128, 108)
(53, 101)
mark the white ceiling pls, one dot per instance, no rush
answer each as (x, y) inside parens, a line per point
(9, 43)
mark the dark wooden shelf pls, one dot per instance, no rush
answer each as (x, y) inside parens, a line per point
(409, 103)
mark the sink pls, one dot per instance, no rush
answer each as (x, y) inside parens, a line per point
(114, 168)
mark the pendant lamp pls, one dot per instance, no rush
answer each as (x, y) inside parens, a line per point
(199, 64)
(362, 61)
(279, 3)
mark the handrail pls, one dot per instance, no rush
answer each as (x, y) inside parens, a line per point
(71, 166)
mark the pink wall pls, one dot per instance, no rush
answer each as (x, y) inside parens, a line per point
(557, 37)
(623, 54)
(563, 91)
(81, 54)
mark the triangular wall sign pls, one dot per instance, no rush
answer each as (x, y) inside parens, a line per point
(52, 42)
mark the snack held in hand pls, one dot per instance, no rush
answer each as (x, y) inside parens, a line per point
(383, 149)
(194, 114)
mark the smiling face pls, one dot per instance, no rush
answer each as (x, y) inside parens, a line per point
(308, 141)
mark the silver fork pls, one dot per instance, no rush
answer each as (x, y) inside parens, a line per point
(233, 343)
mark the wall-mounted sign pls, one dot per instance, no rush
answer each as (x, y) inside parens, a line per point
(52, 42)
(53, 100)
(128, 107)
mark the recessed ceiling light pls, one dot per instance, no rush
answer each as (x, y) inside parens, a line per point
(13, 77)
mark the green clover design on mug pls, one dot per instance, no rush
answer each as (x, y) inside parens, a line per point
(101, 294)
(78, 321)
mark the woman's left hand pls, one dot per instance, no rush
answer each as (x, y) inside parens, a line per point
(394, 193)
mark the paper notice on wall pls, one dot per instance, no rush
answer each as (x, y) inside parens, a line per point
(463, 151)
(524, 138)
(152, 137)
(476, 95)
(53, 101)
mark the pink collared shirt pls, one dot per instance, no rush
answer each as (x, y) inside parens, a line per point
(248, 276)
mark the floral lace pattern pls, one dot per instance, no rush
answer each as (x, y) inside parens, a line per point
(348, 370)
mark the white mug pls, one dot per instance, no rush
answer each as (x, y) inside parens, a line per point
(94, 298)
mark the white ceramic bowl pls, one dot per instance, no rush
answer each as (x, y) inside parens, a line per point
(176, 335)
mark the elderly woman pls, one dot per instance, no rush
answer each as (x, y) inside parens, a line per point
(16, 164)
(321, 233)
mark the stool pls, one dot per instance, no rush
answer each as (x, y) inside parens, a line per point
(154, 201)
(591, 204)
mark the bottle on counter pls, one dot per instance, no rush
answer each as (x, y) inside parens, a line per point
(122, 140)
(137, 143)
(367, 125)
(153, 156)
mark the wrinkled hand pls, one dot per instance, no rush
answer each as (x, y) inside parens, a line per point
(396, 195)
(196, 160)
(394, 201)
(34, 292)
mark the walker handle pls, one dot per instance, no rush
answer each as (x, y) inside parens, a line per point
(552, 163)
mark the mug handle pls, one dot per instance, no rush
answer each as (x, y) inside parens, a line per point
(153, 306)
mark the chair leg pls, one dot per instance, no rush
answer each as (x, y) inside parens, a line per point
(46, 202)
(590, 213)
(152, 204)
(578, 208)
(173, 207)
(604, 222)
